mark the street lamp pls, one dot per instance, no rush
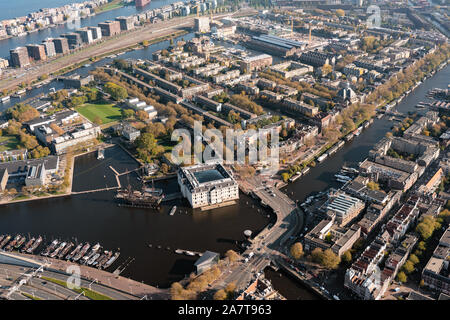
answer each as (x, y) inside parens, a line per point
(95, 280)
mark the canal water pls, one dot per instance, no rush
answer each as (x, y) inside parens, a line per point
(288, 287)
(95, 217)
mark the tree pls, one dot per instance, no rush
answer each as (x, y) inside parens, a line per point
(22, 113)
(340, 12)
(414, 259)
(347, 256)
(232, 256)
(330, 260)
(220, 295)
(401, 277)
(147, 147)
(372, 185)
(230, 290)
(316, 255)
(408, 267)
(326, 69)
(142, 115)
(297, 250)
(117, 92)
(127, 113)
(427, 226)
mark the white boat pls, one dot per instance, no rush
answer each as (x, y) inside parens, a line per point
(322, 157)
(4, 99)
(172, 211)
(339, 176)
(110, 261)
(101, 154)
(92, 260)
(189, 253)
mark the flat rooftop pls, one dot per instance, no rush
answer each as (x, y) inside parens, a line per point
(208, 175)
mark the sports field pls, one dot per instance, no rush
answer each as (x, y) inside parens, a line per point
(106, 112)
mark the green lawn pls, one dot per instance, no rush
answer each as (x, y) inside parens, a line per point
(8, 143)
(106, 112)
(91, 294)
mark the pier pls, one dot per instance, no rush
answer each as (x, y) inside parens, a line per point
(95, 190)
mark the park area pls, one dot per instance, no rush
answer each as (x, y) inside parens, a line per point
(105, 112)
(8, 143)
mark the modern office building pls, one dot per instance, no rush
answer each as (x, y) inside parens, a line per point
(49, 47)
(61, 45)
(73, 39)
(86, 35)
(110, 28)
(126, 23)
(207, 184)
(36, 52)
(96, 33)
(19, 57)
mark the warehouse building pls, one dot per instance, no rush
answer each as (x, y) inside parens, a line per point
(204, 185)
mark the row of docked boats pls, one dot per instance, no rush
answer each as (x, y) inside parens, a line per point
(19, 243)
(82, 253)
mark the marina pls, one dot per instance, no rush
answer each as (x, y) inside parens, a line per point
(60, 250)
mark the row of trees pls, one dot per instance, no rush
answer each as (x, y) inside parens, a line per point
(326, 258)
(198, 284)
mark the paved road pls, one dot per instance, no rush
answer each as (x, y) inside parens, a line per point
(270, 243)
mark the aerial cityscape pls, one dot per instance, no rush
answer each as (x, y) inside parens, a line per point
(225, 150)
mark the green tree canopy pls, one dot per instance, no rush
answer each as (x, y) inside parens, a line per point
(297, 250)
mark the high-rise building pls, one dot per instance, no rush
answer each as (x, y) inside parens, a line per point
(96, 33)
(19, 57)
(86, 35)
(61, 45)
(49, 47)
(126, 23)
(74, 39)
(202, 24)
(36, 52)
(110, 28)
(141, 3)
